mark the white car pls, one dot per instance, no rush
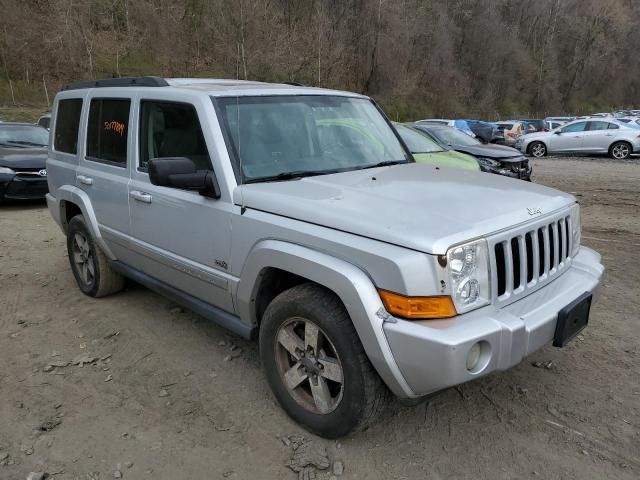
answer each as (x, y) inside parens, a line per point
(609, 136)
(512, 130)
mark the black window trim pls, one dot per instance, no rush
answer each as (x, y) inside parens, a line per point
(139, 132)
(111, 163)
(55, 126)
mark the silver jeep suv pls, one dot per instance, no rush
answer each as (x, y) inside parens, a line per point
(297, 216)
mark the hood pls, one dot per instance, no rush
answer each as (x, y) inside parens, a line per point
(536, 136)
(23, 157)
(413, 205)
(501, 152)
(448, 158)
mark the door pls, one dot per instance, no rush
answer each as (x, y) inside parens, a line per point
(102, 171)
(178, 236)
(599, 135)
(569, 138)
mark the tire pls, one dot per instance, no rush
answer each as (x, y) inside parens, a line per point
(326, 407)
(89, 265)
(537, 149)
(620, 150)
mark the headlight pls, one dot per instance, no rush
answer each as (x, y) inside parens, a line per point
(576, 229)
(468, 268)
(6, 170)
(488, 162)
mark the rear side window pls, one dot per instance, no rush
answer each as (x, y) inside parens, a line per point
(107, 130)
(171, 130)
(613, 126)
(598, 125)
(67, 125)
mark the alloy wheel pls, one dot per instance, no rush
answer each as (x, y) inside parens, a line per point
(83, 259)
(309, 366)
(620, 151)
(538, 150)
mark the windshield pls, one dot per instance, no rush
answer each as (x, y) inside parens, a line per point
(453, 136)
(23, 135)
(289, 136)
(416, 141)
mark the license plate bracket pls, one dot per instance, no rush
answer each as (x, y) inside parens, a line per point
(572, 319)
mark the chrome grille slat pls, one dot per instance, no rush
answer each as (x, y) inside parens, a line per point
(508, 256)
(536, 257)
(528, 257)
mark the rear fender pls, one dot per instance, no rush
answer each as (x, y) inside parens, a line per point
(72, 194)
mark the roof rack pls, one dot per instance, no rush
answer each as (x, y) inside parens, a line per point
(118, 82)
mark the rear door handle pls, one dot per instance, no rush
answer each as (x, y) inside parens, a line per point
(85, 180)
(140, 196)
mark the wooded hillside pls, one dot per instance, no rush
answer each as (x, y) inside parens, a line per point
(419, 58)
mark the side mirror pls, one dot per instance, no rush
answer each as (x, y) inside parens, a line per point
(180, 172)
(557, 132)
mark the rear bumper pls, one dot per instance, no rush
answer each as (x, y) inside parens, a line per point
(432, 355)
(15, 187)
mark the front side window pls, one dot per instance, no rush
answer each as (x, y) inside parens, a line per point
(65, 138)
(575, 127)
(170, 129)
(276, 136)
(107, 130)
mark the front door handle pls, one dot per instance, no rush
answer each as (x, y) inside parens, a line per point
(85, 180)
(140, 196)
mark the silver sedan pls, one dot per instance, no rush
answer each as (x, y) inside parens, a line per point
(617, 139)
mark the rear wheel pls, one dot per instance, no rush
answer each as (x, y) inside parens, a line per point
(620, 150)
(89, 265)
(315, 363)
(537, 149)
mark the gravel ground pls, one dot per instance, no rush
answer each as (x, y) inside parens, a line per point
(132, 386)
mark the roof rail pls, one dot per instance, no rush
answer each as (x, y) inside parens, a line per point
(118, 82)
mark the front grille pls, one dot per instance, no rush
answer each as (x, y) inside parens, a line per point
(524, 260)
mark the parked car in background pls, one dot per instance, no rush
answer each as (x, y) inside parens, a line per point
(512, 129)
(600, 115)
(23, 155)
(559, 119)
(426, 150)
(459, 124)
(45, 120)
(540, 125)
(609, 136)
(552, 125)
(498, 159)
(485, 131)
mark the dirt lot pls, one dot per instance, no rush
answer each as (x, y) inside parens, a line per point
(171, 396)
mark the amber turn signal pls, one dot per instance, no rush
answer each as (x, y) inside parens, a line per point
(414, 308)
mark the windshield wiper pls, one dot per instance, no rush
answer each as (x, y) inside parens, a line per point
(290, 175)
(386, 163)
(24, 142)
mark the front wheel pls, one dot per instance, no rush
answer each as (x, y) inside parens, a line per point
(537, 149)
(620, 150)
(315, 363)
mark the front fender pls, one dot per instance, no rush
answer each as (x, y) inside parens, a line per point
(75, 195)
(352, 285)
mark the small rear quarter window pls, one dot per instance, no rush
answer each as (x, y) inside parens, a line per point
(65, 138)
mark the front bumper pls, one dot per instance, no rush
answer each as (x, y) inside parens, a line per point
(522, 173)
(17, 187)
(432, 354)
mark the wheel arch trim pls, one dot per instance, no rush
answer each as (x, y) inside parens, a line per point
(353, 286)
(72, 194)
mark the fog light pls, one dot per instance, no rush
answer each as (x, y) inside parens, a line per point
(473, 357)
